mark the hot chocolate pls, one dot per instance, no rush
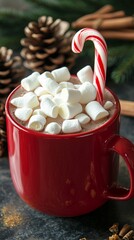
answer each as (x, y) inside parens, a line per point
(76, 110)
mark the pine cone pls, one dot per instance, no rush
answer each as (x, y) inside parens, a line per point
(47, 45)
(2, 129)
(11, 71)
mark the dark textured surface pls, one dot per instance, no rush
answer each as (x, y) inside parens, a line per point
(18, 221)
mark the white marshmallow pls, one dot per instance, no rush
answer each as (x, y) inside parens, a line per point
(77, 86)
(61, 74)
(39, 112)
(49, 108)
(23, 113)
(88, 92)
(83, 118)
(66, 85)
(108, 105)
(17, 102)
(27, 100)
(67, 111)
(85, 74)
(70, 95)
(57, 99)
(39, 91)
(37, 122)
(46, 96)
(31, 82)
(53, 128)
(44, 75)
(50, 85)
(30, 100)
(71, 126)
(96, 111)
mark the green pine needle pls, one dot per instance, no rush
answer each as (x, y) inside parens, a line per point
(65, 5)
(12, 24)
(124, 68)
(116, 53)
(65, 9)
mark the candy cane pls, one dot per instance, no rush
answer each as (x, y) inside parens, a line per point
(100, 63)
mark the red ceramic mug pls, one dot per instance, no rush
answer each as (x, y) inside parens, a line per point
(72, 174)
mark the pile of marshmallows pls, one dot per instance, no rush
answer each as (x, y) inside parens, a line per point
(51, 94)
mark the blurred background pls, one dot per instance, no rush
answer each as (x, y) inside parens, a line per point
(116, 25)
(15, 4)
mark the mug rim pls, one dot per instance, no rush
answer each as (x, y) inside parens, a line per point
(62, 136)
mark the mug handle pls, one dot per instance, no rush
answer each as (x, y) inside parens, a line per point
(125, 148)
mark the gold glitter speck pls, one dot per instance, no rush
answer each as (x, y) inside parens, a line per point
(11, 218)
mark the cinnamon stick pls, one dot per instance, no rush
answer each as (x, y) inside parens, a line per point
(118, 23)
(124, 34)
(105, 9)
(127, 108)
(125, 229)
(114, 23)
(97, 15)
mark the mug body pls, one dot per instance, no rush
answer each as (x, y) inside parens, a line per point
(62, 175)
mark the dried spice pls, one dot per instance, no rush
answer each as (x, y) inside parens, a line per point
(125, 229)
(114, 229)
(125, 233)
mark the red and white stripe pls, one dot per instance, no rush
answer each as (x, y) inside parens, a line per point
(100, 63)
